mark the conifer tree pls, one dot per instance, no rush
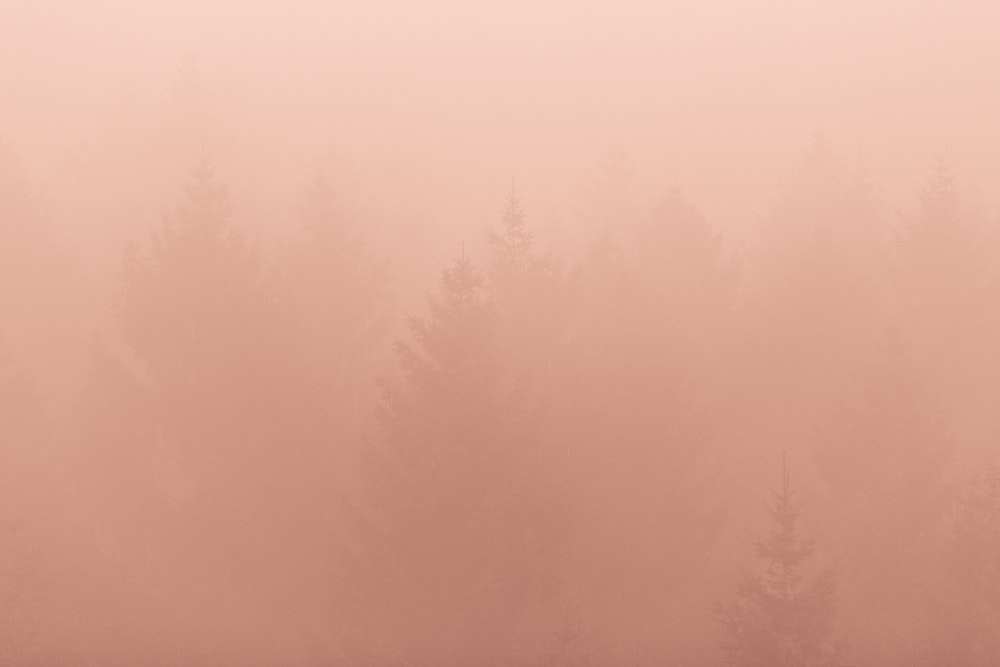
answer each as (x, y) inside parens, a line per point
(529, 290)
(684, 275)
(781, 618)
(965, 610)
(815, 297)
(636, 433)
(513, 245)
(197, 429)
(884, 457)
(339, 307)
(25, 535)
(40, 306)
(197, 313)
(945, 273)
(458, 540)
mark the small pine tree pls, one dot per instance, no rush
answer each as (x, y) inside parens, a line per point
(777, 619)
(513, 244)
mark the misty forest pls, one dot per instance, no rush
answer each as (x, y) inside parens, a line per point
(281, 416)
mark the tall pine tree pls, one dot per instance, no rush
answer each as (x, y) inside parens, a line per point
(459, 527)
(883, 461)
(200, 421)
(778, 617)
(946, 279)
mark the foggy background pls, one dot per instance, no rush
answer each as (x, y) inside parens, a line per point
(516, 333)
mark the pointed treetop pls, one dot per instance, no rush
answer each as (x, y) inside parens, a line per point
(207, 198)
(512, 245)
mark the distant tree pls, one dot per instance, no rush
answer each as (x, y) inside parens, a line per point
(943, 253)
(199, 316)
(38, 355)
(339, 305)
(777, 618)
(513, 245)
(530, 292)
(460, 529)
(965, 610)
(883, 459)
(945, 270)
(198, 420)
(684, 275)
(40, 302)
(608, 203)
(635, 425)
(815, 295)
(26, 545)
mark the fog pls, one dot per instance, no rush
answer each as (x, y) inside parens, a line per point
(532, 333)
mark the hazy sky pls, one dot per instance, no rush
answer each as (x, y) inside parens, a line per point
(453, 99)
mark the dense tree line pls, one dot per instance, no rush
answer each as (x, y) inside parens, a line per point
(550, 463)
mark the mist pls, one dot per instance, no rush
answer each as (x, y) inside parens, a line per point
(376, 333)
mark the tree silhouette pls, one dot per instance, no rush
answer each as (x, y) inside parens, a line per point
(815, 295)
(883, 459)
(216, 405)
(965, 611)
(530, 293)
(458, 545)
(777, 618)
(945, 270)
(634, 428)
(339, 309)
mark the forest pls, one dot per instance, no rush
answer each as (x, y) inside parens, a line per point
(271, 415)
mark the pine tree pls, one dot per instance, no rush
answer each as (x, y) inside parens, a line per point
(338, 310)
(513, 245)
(529, 291)
(945, 274)
(883, 460)
(636, 436)
(199, 423)
(943, 251)
(26, 538)
(608, 202)
(815, 296)
(684, 275)
(41, 311)
(965, 610)
(779, 619)
(458, 541)
(198, 315)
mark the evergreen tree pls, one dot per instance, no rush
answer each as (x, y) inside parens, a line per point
(513, 245)
(688, 286)
(26, 536)
(339, 304)
(41, 310)
(530, 293)
(883, 460)
(200, 318)
(637, 444)
(815, 297)
(608, 201)
(460, 532)
(200, 424)
(965, 610)
(779, 619)
(945, 270)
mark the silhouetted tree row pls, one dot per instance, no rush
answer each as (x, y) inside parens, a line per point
(552, 462)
